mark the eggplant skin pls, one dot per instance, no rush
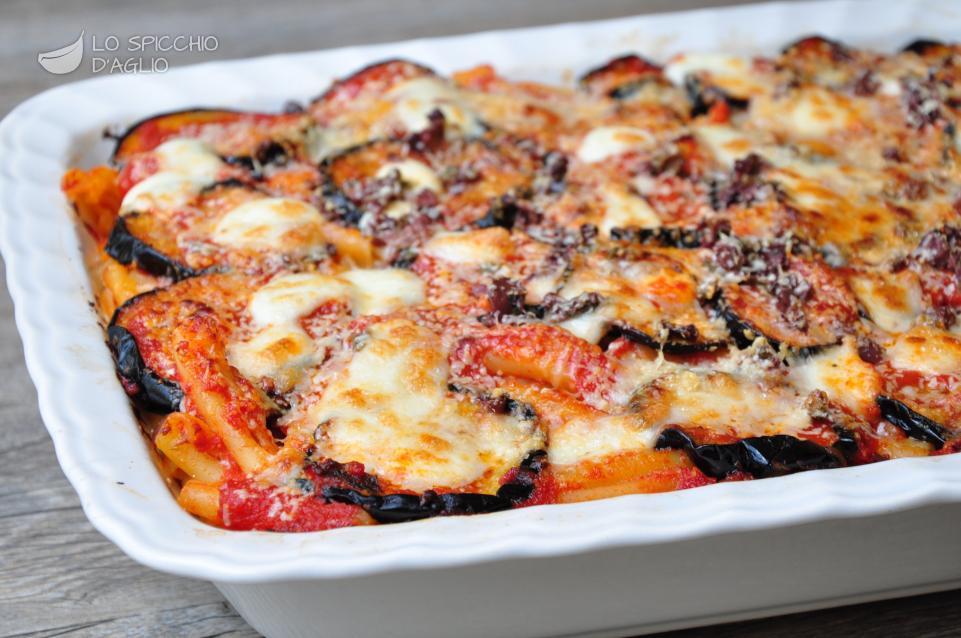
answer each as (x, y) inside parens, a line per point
(128, 249)
(669, 346)
(621, 77)
(399, 508)
(128, 143)
(742, 332)
(404, 68)
(522, 486)
(759, 456)
(817, 45)
(151, 392)
(915, 425)
(702, 98)
(925, 47)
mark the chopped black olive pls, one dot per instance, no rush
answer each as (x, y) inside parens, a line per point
(126, 248)
(915, 425)
(551, 178)
(504, 404)
(744, 186)
(869, 350)
(337, 203)
(145, 387)
(507, 213)
(673, 236)
(506, 297)
(405, 258)
(431, 137)
(759, 456)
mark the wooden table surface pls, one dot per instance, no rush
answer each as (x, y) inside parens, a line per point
(60, 577)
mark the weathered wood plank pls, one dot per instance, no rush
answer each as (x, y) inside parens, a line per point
(58, 577)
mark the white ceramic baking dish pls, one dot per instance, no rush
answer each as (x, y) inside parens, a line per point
(613, 567)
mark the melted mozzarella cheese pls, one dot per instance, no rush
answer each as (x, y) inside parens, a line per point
(377, 291)
(415, 99)
(263, 223)
(623, 209)
(589, 326)
(809, 113)
(591, 437)
(185, 167)
(161, 191)
(841, 374)
(280, 352)
(607, 141)
(729, 404)
(889, 86)
(390, 410)
(281, 349)
(475, 247)
(288, 297)
(927, 350)
(817, 114)
(893, 301)
(725, 143)
(731, 73)
(415, 175)
(188, 157)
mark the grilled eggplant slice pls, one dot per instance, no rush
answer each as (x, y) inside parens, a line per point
(816, 47)
(147, 389)
(260, 129)
(759, 456)
(374, 79)
(923, 47)
(397, 181)
(704, 96)
(139, 334)
(915, 425)
(621, 77)
(345, 487)
(676, 340)
(125, 246)
(399, 508)
(799, 302)
(149, 133)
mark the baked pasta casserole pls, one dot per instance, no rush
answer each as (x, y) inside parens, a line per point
(423, 296)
